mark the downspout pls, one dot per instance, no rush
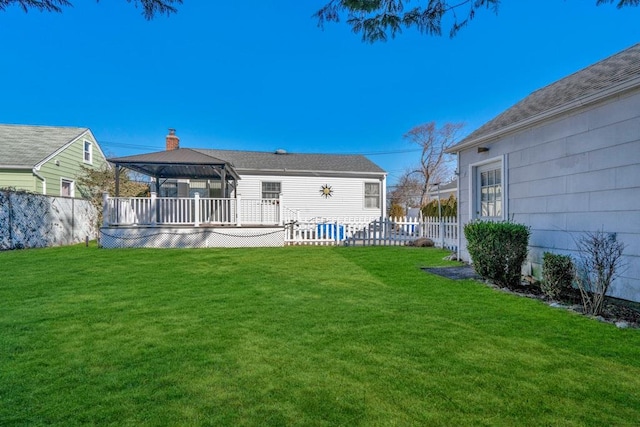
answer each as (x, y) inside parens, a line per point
(44, 181)
(458, 202)
(383, 183)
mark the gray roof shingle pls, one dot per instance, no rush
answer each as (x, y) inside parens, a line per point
(26, 146)
(294, 162)
(610, 73)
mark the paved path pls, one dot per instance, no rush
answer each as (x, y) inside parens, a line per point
(457, 273)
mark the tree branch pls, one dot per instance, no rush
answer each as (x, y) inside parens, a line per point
(150, 8)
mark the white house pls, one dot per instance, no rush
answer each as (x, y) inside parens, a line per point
(220, 188)
(564, 160)
(311, 185)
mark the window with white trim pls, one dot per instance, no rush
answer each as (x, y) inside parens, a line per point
(271, 190)
(372, 195)
(87, 152)
(489, 191)
(67, 188)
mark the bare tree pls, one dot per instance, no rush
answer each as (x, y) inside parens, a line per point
(407, 191)
(93, 182)
(599, 263)
(433, 142)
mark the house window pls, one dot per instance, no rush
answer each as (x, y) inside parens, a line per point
(67, 188)
(199, 187)
(168, 188)
(271, 190)
(489, 191)
(372, 195)
(88, 152)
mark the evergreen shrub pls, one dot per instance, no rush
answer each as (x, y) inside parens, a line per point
(448, 207)
(498, 250)
(558, 273)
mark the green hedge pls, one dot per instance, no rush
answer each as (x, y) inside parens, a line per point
(498, 250)
(448, 207)
(558, 273)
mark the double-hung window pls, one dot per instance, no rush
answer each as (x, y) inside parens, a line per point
(271, 190)
(372, 195)
(87, 152)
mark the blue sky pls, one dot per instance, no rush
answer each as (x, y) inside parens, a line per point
(256, 75)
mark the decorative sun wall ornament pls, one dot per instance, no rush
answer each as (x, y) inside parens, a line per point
(326, 191)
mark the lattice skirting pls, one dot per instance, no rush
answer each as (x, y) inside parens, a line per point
(181, 237)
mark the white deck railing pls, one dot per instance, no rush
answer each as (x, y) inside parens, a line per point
(196, 211)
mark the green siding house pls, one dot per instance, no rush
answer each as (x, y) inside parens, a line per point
(46, 159)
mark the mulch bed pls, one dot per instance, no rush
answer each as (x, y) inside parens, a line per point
(614, 310)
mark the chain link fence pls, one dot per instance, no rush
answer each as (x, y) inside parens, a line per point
(34, 221)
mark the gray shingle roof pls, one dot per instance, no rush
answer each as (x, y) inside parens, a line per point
(608, 74)
(294, 162)
(26, 146)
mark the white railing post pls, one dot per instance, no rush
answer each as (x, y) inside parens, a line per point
(196, 212)
(280, 210)
(238, 210)
(154, 208)
(105, 209)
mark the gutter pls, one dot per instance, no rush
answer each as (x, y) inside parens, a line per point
(556, 111)
(309, 172)
(16, 167)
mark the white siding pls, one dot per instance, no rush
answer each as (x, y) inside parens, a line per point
(302, 194)
(580, 172)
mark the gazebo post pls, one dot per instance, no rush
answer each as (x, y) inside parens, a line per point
(117, 180)
(223, 178)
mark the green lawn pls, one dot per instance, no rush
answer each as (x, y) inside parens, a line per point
(307, 336)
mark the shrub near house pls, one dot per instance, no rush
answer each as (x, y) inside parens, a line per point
(498, 250)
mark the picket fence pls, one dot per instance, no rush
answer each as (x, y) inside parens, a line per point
(372, 231)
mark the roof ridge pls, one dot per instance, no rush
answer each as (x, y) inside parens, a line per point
(287, 153)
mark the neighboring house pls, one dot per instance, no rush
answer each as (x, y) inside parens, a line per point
(46, 159)
(444, 191)
(311, 185)
(564, 160)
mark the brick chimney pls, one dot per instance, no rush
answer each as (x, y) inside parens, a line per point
(173, 142)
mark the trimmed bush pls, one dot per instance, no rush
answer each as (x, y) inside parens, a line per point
(558, 273)
(498, 250)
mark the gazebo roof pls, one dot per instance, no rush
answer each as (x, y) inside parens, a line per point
(178, 163)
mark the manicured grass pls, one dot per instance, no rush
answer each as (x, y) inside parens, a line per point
(309, 336)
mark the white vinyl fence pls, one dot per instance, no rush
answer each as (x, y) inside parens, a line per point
(190, 211)
(33, 221)
(372, 231)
